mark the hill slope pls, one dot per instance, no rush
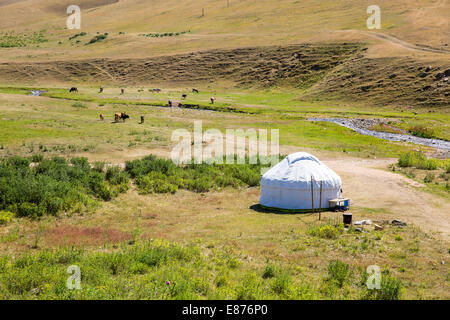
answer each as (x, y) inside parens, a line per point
(316, 46)
(420, 23)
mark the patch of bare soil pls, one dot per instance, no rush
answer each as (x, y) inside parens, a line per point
(369, 185)
(64, 235)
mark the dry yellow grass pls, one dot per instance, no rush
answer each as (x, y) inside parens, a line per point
(245, 23)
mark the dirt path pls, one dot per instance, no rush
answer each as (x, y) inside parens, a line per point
(396, 41)
(368, 185)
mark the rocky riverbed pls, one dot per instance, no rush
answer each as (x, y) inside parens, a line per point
(363, 126)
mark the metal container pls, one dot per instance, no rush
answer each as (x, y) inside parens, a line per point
(347, 218)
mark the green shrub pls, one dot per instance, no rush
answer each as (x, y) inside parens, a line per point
(222, 280)
(156, 182)
(421, 131)
(81, 34)
(249, 288)
(116, 176)
(36, 158)
(269, 271)
(98, 37)
(390, 289)
(326, 231)
(281, 283)
(338, 272)
(154, 174)
(429, 178)
(54, 185)
(6, 217)
(417, 160)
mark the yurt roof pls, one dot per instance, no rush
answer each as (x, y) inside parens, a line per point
(295, 172)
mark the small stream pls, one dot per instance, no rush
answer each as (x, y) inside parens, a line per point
(36, 93)
(435, 143)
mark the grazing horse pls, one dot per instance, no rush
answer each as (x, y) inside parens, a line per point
(73, 89)
(195, 90)
(121, 115)
(212, 100)
(102, 118)
(184, 96)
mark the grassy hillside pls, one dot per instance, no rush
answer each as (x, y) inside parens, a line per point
(244, 23)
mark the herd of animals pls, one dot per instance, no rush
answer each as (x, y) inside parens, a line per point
(121, 116)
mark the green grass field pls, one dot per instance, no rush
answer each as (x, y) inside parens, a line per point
(130, 246)
(79, 190)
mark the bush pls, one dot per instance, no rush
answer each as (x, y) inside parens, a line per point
(6, 217)
(417, 160)
(97, 38)
(326, 231)
(155, 182)
(81, 34)
(281, 283)
(249, 288)
(423, 132)
(429, 178)
(338, 272)
(156, 175)
(54, 185)
(269, 271)
(390, 289)
(36, 158)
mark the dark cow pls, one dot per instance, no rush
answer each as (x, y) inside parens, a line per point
(73, 89)
(169, 103)
(195, 90)
(184, 96)
(142, 119)
(121, 116)
(101, 90)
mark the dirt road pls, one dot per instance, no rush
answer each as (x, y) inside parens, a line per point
(369, 185)
(396, 41)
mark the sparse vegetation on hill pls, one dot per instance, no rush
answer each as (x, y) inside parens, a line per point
(14, 40)
(81, 34)
(165, 34)
(98, 38)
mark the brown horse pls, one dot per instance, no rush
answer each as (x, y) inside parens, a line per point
(121, 116)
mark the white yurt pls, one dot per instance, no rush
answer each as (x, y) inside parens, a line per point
(288, 184)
